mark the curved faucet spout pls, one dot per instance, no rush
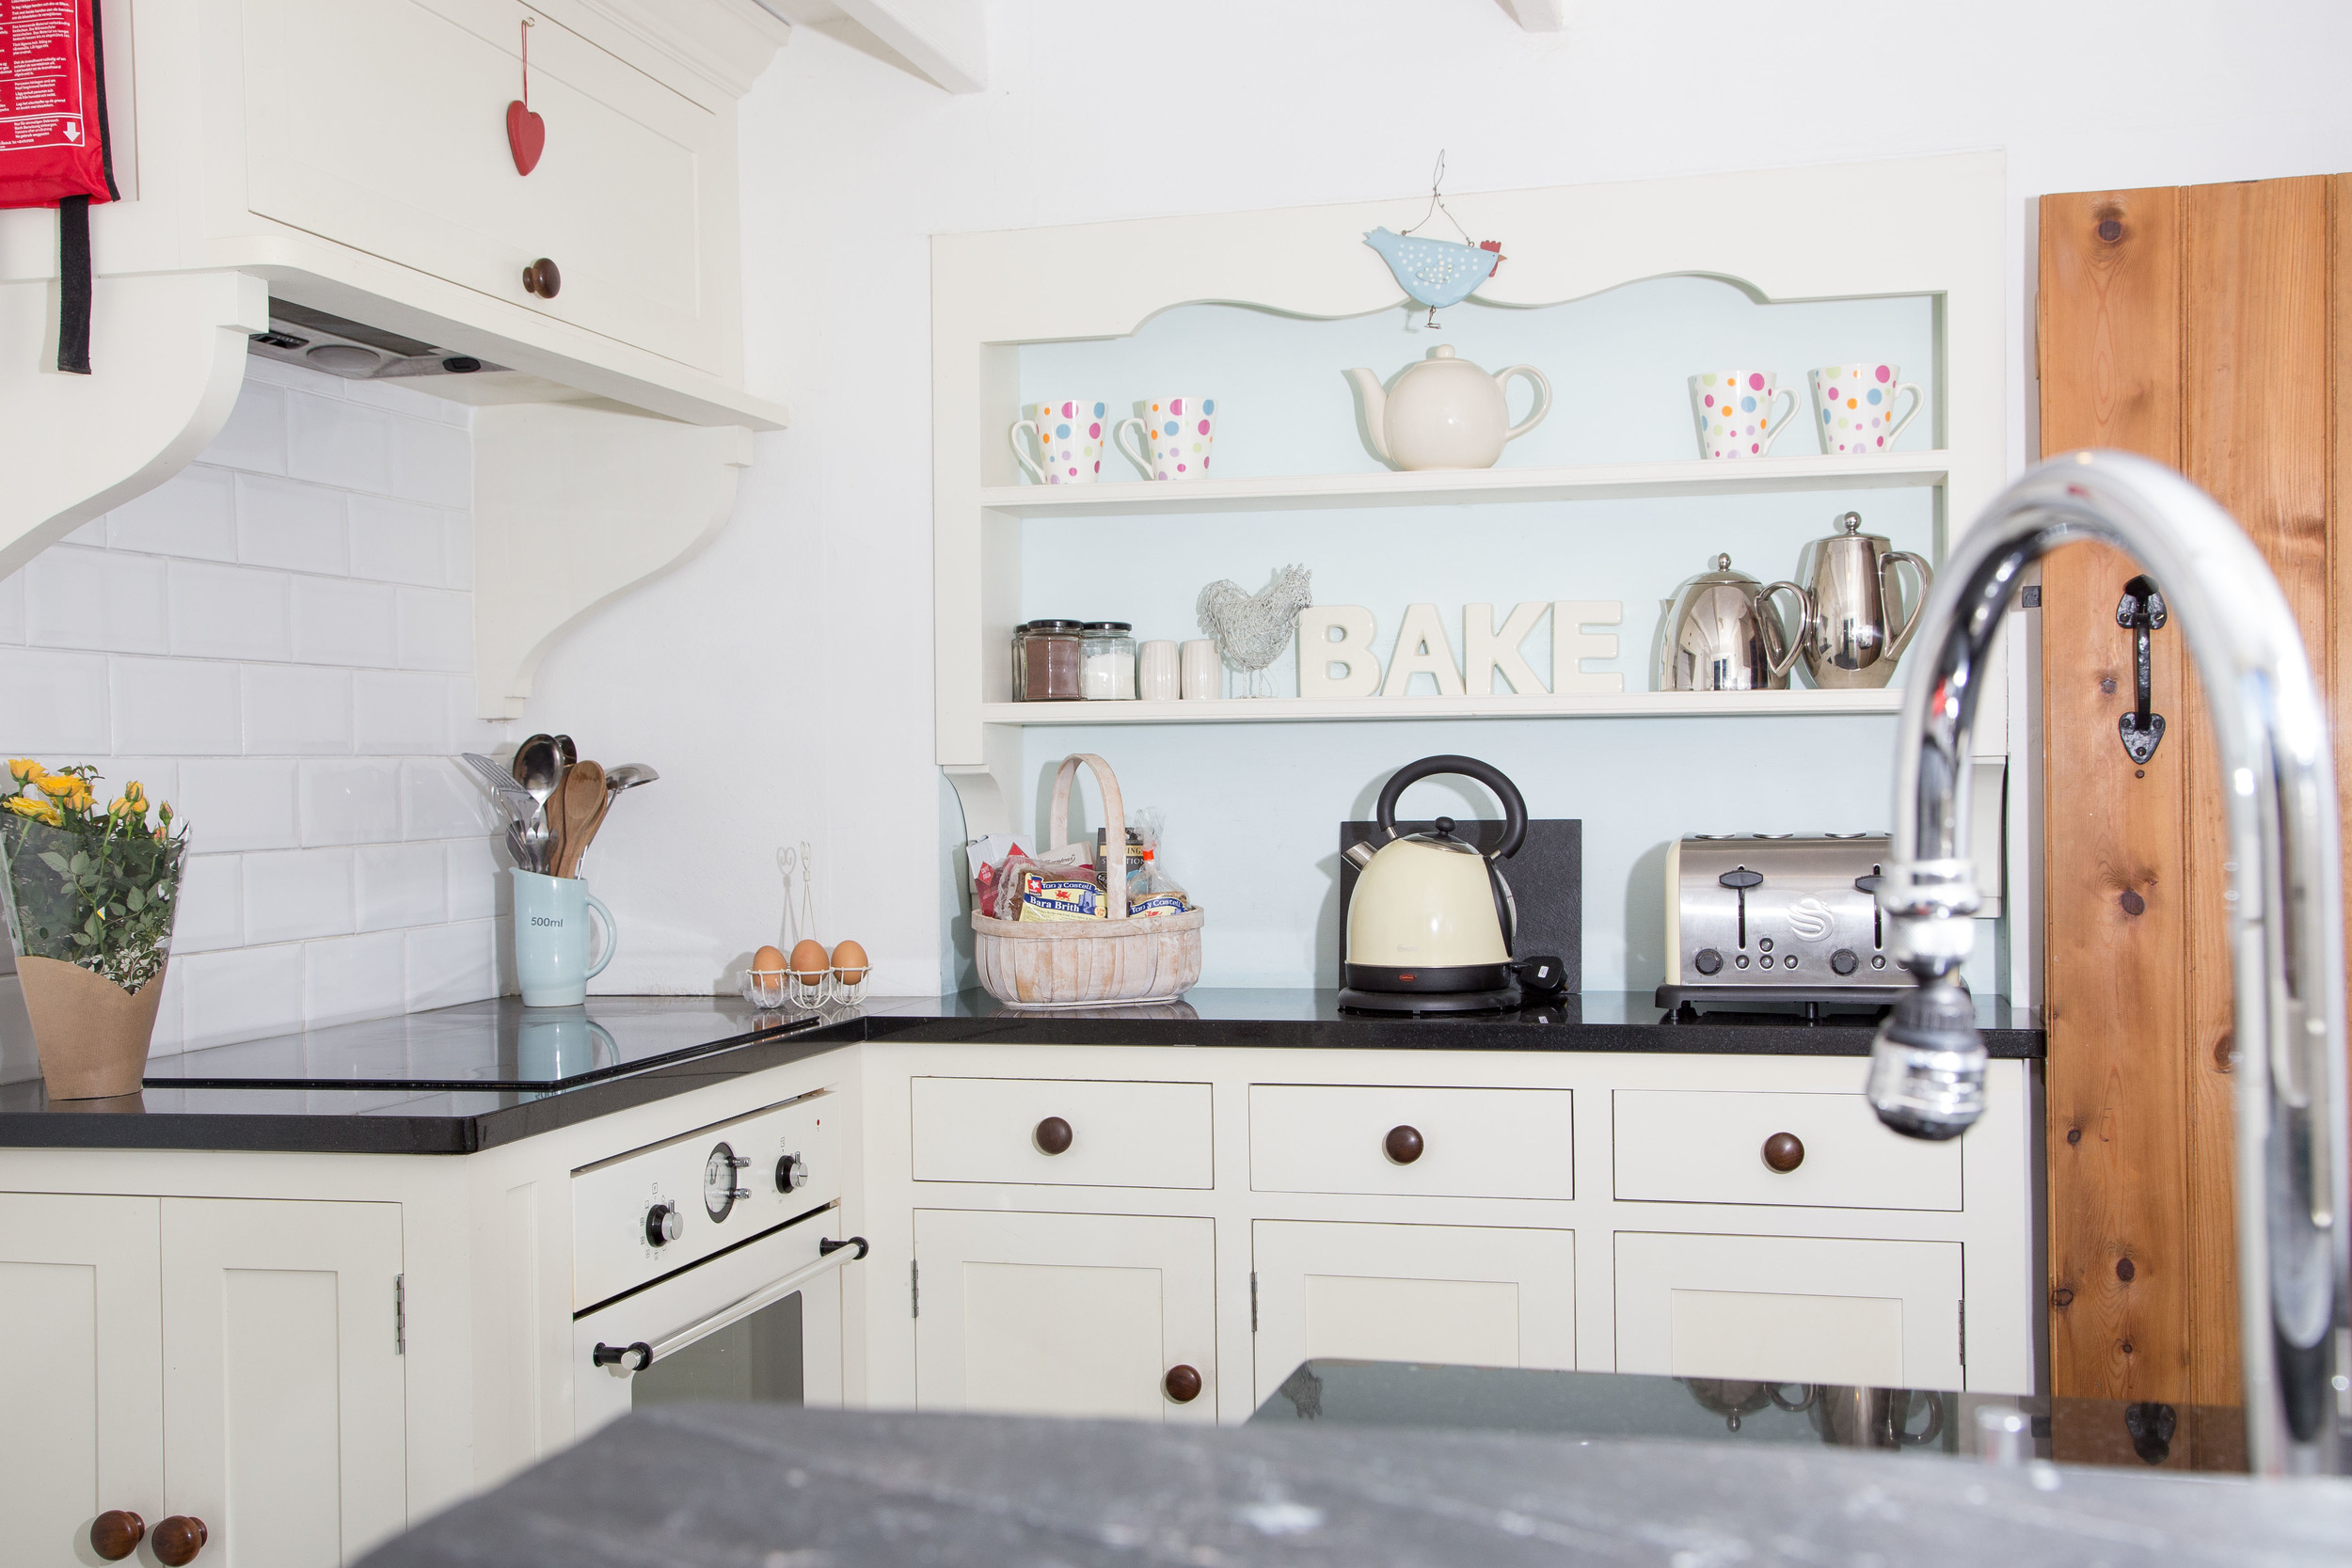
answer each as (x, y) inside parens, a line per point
(2286, 935)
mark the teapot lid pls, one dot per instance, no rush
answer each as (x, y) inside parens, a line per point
(1443, 351)
(1851, 523)
(1722, 574)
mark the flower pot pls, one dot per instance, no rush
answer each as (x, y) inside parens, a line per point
(92, 1034)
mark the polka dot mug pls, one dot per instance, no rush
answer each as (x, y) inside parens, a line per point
(1733, 410)
(1172, 437)
(1855, 404)
(1069, 432)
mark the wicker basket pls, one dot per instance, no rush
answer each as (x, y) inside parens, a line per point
(1086, 964)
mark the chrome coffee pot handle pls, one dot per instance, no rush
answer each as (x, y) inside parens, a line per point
(1901, 640)
(1768, 625)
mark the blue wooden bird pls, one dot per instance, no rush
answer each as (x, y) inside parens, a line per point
(1436, 272)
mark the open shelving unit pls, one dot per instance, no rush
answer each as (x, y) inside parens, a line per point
(1300, 710)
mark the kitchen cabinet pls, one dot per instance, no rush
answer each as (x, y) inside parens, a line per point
(1065, 1315)
(1061, 1133)
(1800, 1309)
(1682, 1146)
(1452, 1294)
(232, 1360)
(1459, 1143)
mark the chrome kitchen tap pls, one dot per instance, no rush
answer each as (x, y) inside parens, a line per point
(2286, 903)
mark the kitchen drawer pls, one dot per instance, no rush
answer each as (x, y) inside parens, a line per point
(1676, 1146)
(1121, 1134)
(1475, 1143)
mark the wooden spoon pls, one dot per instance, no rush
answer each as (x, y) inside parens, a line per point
(584, 800)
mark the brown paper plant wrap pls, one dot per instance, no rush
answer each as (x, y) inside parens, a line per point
(90, 893)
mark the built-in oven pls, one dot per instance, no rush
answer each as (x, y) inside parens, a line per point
(708, 1267)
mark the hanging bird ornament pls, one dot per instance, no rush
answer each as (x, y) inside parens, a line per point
(1437, 272)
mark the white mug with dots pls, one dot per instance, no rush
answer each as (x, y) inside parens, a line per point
(1172, 437)
(1733, 410)
(1857, 406)
(1069, 432)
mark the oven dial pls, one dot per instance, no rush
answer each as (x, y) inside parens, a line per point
(791, 1174)
(662, 1224)
(718, 1189)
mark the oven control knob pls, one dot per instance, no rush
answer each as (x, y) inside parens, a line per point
(662, 1224)
(791, 1174)
(1708, 961)
(1844, 961)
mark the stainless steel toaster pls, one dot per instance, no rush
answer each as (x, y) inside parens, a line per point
(1784, 919)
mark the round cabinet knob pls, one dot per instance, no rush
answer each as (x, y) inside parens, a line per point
(178, 1540)
(1844, 961)
(116, 1534)
(543, 279)
(1183, 1384)
(1784, 1152)
(662, 1224)
(791, 1174)
(1402, 1145)
(1053, 1136)
(1708, 961)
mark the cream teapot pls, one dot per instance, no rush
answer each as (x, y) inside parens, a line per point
(1445, 413)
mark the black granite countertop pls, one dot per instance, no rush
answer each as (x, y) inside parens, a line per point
(701, 1486)
(463, 1078)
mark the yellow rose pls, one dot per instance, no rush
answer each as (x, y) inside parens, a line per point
(22, 769)
(120, 806)
(56, 786)
(39, 811)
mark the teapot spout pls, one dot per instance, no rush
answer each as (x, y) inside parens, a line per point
(1374, 402)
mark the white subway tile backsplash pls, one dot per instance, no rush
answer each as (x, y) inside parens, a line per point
(240, 805)
(457, 551)
(431, 462)
(53, 703)
(293, 893)
(85, 598)
(504, 975)
(255, 437)
(402, 884)
(278, 372)
(440, 799)
(341, 443)
(92, 533)
(212, 905)
(435, 630)
(468, 733)
(479, 883)
(158, 777)
(449, 964)
(399, 541)
(296, 710)
(240, 994)
(349, 802)
(284, 522)
(192, 513)
(349, 979)
(401, 396)
(230, 611)
(178, 707)
(170, 1038)
(345, 622)
(399, 715)
(12, 615)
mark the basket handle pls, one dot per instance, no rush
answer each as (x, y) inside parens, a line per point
(1115, 821)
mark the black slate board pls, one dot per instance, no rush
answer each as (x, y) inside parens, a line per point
(1546, 879)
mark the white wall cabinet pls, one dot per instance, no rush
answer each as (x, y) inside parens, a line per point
(1449, 1294)
(1065, 1314)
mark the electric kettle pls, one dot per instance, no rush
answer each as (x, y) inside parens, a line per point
(1431, 923)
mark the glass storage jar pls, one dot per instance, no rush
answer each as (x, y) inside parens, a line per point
(1107, 655)
(1045, 662)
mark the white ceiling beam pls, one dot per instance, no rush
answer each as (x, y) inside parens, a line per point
(1538, 16)
(944, 42)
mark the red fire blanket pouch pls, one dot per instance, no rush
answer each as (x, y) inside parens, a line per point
(52, 142)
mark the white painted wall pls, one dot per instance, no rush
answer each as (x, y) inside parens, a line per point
(781, 681)
(278, 642)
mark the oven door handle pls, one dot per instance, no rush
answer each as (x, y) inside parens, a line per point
(623, 1361)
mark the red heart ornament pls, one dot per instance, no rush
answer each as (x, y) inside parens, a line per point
(527, 134)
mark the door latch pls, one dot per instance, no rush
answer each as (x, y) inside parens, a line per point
(2140, 612)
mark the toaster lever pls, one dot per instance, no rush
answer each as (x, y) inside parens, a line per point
(1867, 884)
(1741, 878)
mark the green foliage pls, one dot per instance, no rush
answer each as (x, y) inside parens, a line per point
(89, 886)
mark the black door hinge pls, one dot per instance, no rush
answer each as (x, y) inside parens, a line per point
(1253, 1301)
(400, 1314)
(914, 1289)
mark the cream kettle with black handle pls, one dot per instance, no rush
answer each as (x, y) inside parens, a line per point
(1431, 923)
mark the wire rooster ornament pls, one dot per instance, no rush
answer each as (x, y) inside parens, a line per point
(1252, 630)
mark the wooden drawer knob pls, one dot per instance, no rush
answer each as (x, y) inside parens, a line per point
(1784, 1152)
(1183, 1384)
(178, 1540)
(116, 1534)
(1053, 1136)
(1402, 1145)
(544, 279)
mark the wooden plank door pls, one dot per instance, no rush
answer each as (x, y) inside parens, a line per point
(2199, 327)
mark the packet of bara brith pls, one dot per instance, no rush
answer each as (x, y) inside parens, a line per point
(1065, 893)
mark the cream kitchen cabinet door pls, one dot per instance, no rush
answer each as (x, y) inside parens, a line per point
(1065, 1314)
(83, 1429)
(283, 1378)
(1797, 1309)
(1452, 1294)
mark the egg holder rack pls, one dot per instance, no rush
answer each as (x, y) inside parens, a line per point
(770, 988)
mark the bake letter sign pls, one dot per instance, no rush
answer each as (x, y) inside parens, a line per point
(1335, 657)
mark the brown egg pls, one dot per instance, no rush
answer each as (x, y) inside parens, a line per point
(768, 960)
(850, 964)
(808, 960)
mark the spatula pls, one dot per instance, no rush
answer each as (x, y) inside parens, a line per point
(582, 802)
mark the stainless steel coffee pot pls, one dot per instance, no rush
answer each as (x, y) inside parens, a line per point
(1721, 634)
(1850, 639)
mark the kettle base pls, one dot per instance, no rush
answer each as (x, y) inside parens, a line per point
(1503, 1001)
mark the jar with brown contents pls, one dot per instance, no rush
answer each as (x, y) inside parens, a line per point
(1046, 662)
